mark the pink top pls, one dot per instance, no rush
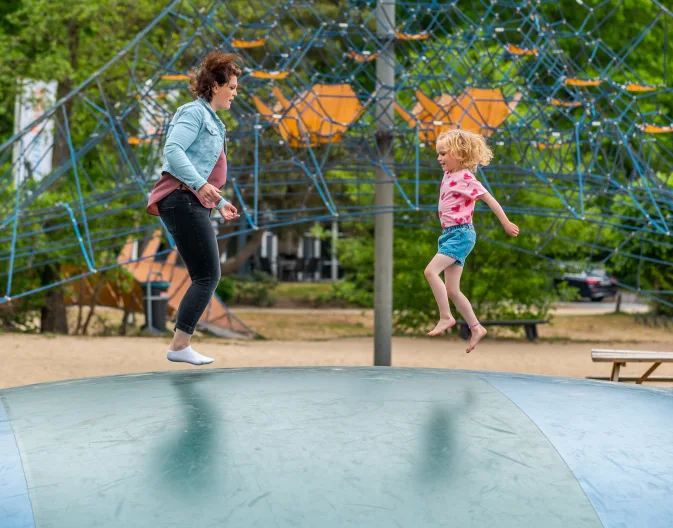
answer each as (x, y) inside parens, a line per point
(168, 183)
(457, 195)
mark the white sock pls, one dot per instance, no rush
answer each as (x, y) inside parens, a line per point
(188, 355)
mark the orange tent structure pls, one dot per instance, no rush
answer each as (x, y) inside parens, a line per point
(320, 114)
(477, 109)
(216, 319)
(111, 293)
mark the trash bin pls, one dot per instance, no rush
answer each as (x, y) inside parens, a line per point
(155, 303)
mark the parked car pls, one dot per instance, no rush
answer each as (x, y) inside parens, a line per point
(595, 285)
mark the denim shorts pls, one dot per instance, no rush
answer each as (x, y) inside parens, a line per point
(457, 242)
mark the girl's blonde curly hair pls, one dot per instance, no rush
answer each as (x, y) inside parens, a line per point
(468, 148)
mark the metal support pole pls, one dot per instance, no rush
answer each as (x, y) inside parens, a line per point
(383, 244)
(335, 241)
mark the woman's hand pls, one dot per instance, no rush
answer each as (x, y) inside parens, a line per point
(511, 229)
(210, 193)
(228, 212)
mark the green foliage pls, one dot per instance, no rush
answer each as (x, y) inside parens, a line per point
(21, 314)
(257, 290)
(42, 40)
(654, 251)
(319, 231)
(226, 289)
(356, 255)
(303, 292)
(47, 40)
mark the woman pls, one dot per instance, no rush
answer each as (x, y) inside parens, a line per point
(193, 172)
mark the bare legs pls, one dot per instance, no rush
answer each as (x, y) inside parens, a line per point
(452, 281)
(450, 288)
(438, 264)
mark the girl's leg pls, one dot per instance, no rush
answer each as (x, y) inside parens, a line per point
(438, 264)
(452, 281)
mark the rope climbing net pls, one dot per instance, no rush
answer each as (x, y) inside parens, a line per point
(575, 102)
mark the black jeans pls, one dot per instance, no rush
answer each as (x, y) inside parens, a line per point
(188, 222)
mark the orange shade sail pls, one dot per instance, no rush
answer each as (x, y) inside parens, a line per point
(479, 110)
(320, 114)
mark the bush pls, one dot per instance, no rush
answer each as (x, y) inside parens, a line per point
(357, 287)
(346, 293)
(226, 289)
(258, 290)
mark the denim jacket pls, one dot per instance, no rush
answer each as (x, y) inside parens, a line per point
(194, 141)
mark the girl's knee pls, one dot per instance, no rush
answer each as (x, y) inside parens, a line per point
(428, 272)
(453, 292)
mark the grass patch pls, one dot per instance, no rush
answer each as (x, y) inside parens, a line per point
(302, 291)
(309, 327)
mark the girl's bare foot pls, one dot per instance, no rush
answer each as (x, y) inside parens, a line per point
(444, 324)
(478, 333)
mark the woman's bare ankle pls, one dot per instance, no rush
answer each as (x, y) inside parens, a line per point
(179, 344)
(181, 340)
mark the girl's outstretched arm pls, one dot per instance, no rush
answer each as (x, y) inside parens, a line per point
(510, 228)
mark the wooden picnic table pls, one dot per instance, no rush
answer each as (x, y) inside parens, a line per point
(620, 358)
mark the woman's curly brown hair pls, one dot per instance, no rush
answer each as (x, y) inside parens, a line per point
(217, 67)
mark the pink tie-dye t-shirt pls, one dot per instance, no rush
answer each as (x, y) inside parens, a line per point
(457, 195)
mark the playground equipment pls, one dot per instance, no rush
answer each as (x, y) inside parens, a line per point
(581, 131)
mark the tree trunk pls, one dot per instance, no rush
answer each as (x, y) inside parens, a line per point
(53, 318)
(124, 323)
(94, 299)
(53, 314)
(80, 306)
(243, 254)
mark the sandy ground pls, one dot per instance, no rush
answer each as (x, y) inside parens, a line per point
(26, 359)
(309, 337)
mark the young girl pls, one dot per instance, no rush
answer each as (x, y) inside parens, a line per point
(459, 154)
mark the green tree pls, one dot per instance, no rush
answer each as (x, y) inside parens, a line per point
(46, 41)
